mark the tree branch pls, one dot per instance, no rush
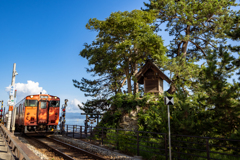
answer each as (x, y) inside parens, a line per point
(205, 41)
(198, 47)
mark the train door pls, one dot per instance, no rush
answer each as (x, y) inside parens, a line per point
(43, 112)
(53, 112)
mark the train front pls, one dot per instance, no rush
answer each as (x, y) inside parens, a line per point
(44, 117)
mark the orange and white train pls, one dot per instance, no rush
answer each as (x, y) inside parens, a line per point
(37, 113)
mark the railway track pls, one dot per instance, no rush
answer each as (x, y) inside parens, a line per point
(65, 150)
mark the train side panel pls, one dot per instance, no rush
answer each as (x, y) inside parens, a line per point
(22, 108)
(19, 114)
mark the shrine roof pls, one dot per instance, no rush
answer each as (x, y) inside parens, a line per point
(150, 65)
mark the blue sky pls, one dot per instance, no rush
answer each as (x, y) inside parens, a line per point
(44, 39)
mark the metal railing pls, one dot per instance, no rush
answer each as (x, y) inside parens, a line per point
(77, 131)
(17, 149)
(152, 145)
(205, 147)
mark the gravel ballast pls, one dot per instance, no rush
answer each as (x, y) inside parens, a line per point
(33, 149)
(106, 153)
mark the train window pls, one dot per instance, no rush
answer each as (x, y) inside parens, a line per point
(43, 105)
(32, 103)
(54, 104)
(43, 96)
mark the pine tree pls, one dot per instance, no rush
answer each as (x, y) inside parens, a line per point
(195, 23)
(196, 27)
(124, 40)
(234, 34)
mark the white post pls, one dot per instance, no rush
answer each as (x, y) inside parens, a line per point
(13, 119)
(11, 97)
(169, 135)
(9, 119)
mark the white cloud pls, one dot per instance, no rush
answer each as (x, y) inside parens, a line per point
(73, 106)
(25, 89)
(31, 88)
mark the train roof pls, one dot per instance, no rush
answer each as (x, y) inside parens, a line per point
(40, 94)
(35, 96)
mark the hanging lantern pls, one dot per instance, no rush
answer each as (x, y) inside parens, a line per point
(91, 122)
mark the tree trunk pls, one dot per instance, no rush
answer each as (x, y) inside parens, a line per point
(129, 84)
(135, 82)
(185, 43)
(128, 79)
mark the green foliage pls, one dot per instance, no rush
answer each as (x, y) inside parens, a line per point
(124, 40)
(122, 104)
(234, 34)
(220, 96)
(126, 142)
(194, 23)
(206, 103)
(213, 110)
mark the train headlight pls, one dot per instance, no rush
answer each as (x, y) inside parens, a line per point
(31, 96)
(55, 97)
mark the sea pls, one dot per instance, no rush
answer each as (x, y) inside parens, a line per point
(77, 119)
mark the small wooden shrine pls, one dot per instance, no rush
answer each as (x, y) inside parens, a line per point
(152, 78)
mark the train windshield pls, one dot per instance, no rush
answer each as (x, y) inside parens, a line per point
(32, 103)
(54, 104)
(43, 105)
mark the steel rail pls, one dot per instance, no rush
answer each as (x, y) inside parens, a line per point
(78, 149)
(54, 150)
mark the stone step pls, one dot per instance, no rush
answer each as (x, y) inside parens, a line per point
(3, 149)
(2, 143)
(5, 156)
(2, 139)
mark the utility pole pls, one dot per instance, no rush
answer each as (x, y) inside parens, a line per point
(11, 96)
